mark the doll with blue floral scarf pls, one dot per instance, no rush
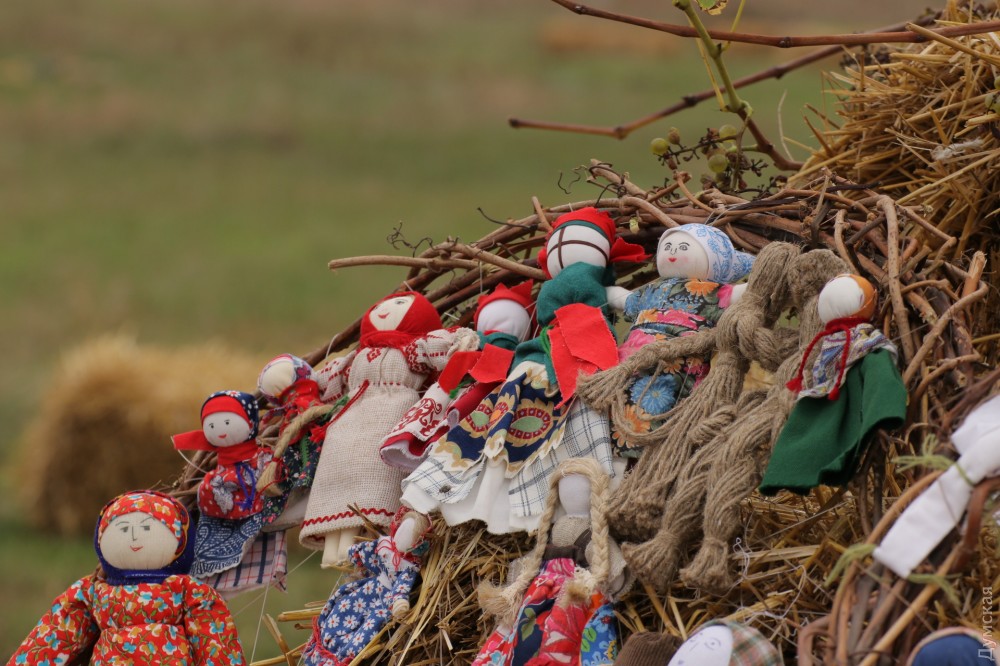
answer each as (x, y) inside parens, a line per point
(697, 266)
(357, 610)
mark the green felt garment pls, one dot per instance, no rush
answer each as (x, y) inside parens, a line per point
(823, 439)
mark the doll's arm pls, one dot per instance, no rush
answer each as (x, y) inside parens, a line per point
(434, 349)
(64, 631)
(617, 296)
(399, 598)
(332, 378)
(209, 626)
(363, 555)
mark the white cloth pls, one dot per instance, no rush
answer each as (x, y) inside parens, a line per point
(930, 517)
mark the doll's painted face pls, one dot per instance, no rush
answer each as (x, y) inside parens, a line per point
(387, 315)
(225, 429)
(575, 243)
(505, 316)
(712, 646)
(138, 541)
(680, 255)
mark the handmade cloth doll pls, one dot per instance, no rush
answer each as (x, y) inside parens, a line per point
(495, 464)
(954, 646)
(697, 266)
(358, 610)
(558, 608)
(402, 344)
(726, 643)
(502, 319)
(851, 389)
(289, 383)
(146, 610)
(936, 512)
(228, 501)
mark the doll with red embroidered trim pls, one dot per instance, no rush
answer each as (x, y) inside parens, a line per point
(290, 384)
(145, 610)
(494, 465)
(849, 388)
(503, 319)
(402, 345)
(228, 500)
(357, 611)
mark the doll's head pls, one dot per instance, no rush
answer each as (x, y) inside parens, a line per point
(585, 236)
(397, 319)
(505, 310)
(844, 296)
(229, 418)
(701, 252)
(280, 373)
(574, 494)
(410, 531)
(726, 644)
(142, 536)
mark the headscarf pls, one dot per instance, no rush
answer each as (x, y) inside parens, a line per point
(599, 221)
(237, 402)
(419, 320)
(520, 294)
(725, 263)
(167, 511)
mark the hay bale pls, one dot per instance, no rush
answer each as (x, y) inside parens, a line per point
(104, 424)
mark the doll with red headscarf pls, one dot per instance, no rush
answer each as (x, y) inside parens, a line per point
(503, 319)
(228, 500)
(145, 610)
(494, 465)
(402, 345)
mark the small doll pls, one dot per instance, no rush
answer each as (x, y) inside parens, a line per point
(289, 383)
(228, 501)
(697, 265)
(557, 610)
(502, 319)
(358, 610)
(145, 610)
(402, 345)
(850, 389)
(494, 465)
(726, 643)
(939, 509)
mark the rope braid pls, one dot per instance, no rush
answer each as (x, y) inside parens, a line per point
(267, 481)
(741, 335)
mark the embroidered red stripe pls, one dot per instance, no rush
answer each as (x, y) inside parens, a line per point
(348, 514)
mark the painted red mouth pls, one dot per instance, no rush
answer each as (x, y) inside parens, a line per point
(673, 258)
(383, 316)
(136, 549)
(223, 436)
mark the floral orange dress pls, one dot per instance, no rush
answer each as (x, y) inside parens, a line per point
(179, 622)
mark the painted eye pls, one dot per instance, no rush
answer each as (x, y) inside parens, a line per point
(212, 426)
(399, 301)
(683, 247)
(227, 421)
(666, 246)
(124, 529)
(145, 528)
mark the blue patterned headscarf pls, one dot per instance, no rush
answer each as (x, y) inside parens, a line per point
(726, 264)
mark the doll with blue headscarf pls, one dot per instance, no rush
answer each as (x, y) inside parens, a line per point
(698, 266)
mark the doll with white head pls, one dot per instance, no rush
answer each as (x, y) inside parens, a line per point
(726, 643)
(402, 344)
(848, 386)
(357, 611)
(503, 319)
(228, 500)
(697, 265)
(145, 547)
(565, 585)
(494, 464)
(289, 383)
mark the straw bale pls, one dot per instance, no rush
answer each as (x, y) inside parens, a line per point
(104, 424)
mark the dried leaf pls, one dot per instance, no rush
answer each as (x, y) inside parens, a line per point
(713, 7)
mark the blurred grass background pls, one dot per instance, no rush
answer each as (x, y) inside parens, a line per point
(182, 170)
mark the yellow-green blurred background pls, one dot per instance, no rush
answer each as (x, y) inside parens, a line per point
(182, 170)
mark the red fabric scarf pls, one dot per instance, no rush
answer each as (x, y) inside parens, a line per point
(419, 320)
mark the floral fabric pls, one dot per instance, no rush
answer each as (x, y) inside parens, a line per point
(826, 369)
(230, 492)
(359, 610)
(179, 622)
(547, 632)
(661, 310)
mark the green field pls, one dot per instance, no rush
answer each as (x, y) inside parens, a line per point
(184, 169)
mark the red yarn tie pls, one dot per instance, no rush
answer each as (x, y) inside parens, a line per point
(833, 326)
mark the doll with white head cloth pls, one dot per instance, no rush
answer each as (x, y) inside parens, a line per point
(697, 265)
(558, 607)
